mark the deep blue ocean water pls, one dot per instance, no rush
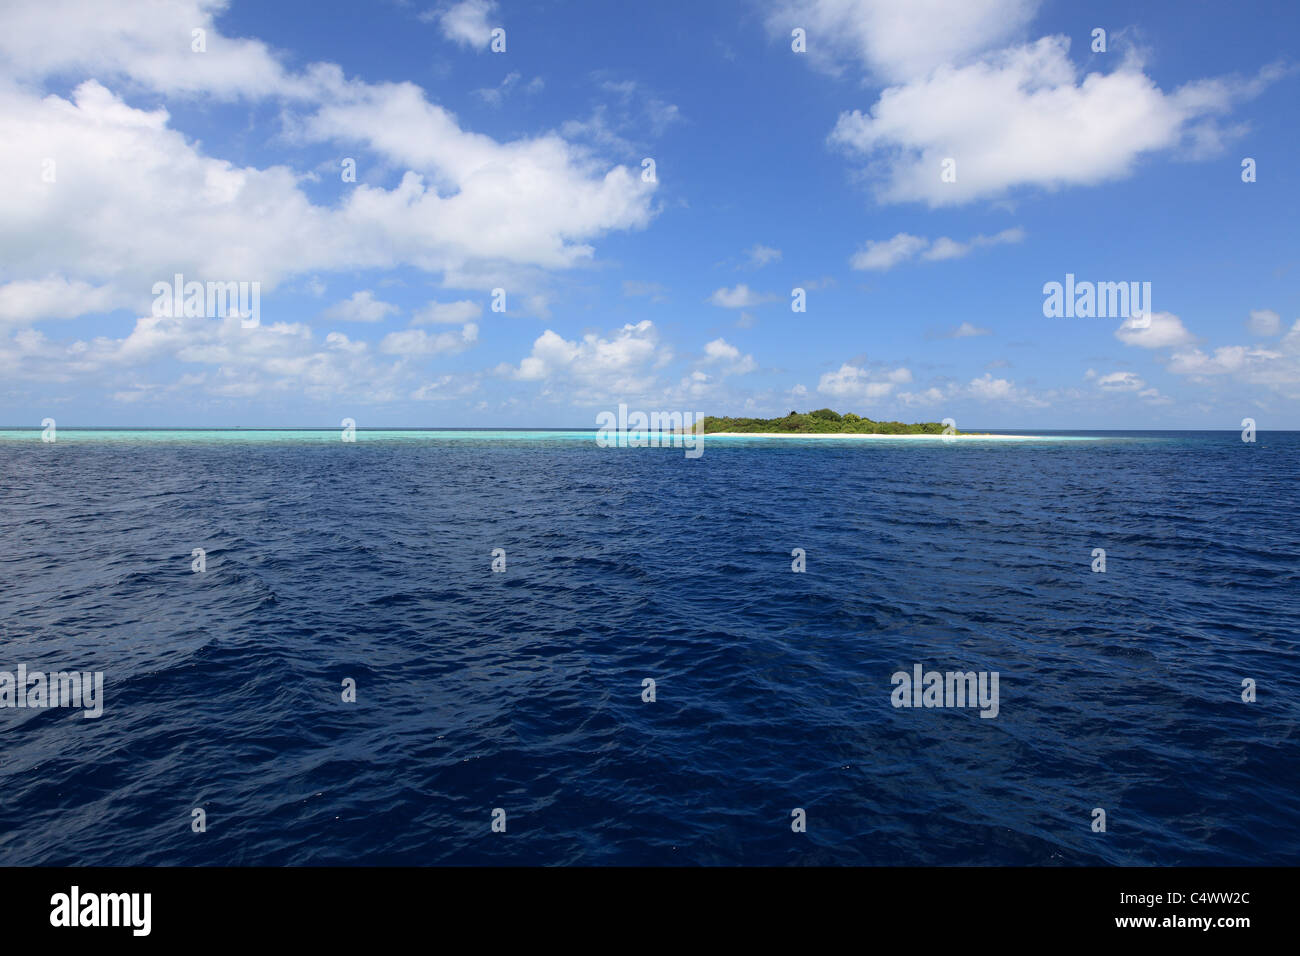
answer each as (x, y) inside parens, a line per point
(523, 690)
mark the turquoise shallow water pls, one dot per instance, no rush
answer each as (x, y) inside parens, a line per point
(405, 434)
(288, 435)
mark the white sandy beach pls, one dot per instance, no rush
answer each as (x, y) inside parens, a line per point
(842, 435)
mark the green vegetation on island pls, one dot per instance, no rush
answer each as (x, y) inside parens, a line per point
(822, 421)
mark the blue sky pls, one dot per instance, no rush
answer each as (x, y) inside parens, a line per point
(131, 157)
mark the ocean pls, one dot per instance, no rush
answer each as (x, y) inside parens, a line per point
(503, 716)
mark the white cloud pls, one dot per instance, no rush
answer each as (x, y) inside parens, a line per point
(467, 205)
(641, 106)
(148, 43)
(930, 396)
(523, 201)
(988, 388)
(741, 297)
(24, 302)
(966, 331)
(1276, 367)
(1131, 382)
(623, 127)
(1264, 322)
(722, 352)
(118, 165)
(856, 384)
(1225, 360)
(1025, 117)
(887, 253)
(1153, 397)
(448, 313)
(760, 255)
(1120, 382)
(899, 41)
(494, 96)
(594, 368)
(361, 307)
(466, 23)
(224, 360)
(1163, 330)
(446, 387)
(945, 248)
(417, 342)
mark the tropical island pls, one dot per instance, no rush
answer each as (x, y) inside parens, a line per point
(823, 421)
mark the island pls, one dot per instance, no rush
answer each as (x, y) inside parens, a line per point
(823, 421)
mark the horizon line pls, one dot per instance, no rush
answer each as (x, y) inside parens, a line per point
(360, 428)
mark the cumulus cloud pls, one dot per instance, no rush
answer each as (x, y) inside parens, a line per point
(856, 384)
(417, 342)
(1120, 382)
(985, 388)
(721, 352)
(929, 396)
(1024, 116)
(362, 306)
(897, 42)
(448, 313)
(741, 297)
(223, 359)
(466, 205)
(1276, 367)
(964, 331)
(1163, 330)
(446, 388)
(760, 255)
(884, 254)
(621, 125)
(494, 96)
(150, 45)
(34, 300)
(945, 248)
(1129, 382)
(467, 196)
(1264, 322)
(466, 23)
(594, 368)
(990, 388)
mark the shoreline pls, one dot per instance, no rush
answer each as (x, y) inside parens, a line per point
(877, 435)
